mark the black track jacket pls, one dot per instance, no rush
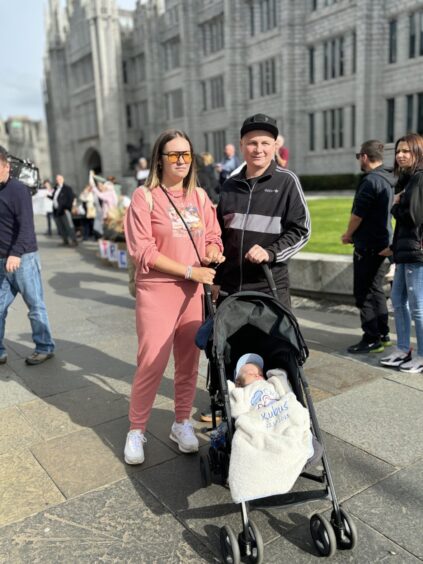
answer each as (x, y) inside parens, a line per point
(273, 214)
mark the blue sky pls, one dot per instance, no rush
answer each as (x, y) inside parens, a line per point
(22, 62)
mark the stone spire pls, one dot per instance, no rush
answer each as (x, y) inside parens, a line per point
(54, 20)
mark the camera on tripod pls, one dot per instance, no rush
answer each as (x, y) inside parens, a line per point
(26, 172)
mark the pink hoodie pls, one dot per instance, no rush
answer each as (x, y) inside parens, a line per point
(161, 231)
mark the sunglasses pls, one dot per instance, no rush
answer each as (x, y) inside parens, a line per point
(358, 155)
(174, 156)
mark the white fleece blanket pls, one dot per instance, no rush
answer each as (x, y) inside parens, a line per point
(271, 444)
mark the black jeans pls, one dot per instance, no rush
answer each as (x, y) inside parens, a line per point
(369, 273)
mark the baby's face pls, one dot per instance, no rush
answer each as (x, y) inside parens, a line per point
(248, 374)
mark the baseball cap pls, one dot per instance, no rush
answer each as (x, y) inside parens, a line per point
(245, 359)
(260, 122)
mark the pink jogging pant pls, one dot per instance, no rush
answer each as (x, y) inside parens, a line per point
(167, 314)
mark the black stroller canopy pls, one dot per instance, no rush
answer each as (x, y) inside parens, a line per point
(259, 310)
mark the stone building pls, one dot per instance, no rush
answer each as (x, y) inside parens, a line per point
(332, 72)
(27, 139)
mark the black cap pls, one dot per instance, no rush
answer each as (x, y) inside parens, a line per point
(260, 122)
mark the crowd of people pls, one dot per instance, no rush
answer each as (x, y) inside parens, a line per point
(193, 222)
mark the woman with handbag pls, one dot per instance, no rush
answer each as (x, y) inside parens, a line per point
(172, 236)
(407, 246)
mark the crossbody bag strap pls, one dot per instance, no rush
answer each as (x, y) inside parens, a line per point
(183, 221)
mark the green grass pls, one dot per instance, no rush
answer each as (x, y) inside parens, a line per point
(329, 219)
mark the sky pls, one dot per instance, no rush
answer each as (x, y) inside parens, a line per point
(21, 68)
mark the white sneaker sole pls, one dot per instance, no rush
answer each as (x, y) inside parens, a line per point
(392, 363)
(412, 370)
(190, 450)
(133, 462)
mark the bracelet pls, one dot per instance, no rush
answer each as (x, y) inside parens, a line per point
(188, 273)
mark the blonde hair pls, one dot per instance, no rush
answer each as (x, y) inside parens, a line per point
(156, 169)
(207, 158)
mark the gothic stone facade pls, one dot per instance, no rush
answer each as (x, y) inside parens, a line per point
(332, 72)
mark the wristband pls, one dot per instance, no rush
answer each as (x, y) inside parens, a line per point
(188, 273)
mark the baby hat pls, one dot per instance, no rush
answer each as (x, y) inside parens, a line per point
(245, 359)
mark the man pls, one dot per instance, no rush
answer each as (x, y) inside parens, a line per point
(282, 152)
(370, 231)
(20, 263)
(263, 215)
(63, 197)
(229, 164)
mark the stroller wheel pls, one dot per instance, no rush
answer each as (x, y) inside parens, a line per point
(347, 538)
(256, 548)
(229, 546)
(205, 471)
(323, 535)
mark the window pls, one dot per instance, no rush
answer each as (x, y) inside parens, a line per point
(128, 116)
(204, 95)
(311, 65)
(267, 77)
(139, 68)
(352, 125)
(313, 4)
(392, 41)
(410, 113)
(412, 36)
(311, 144)
(213, 33)
(390, 121)
(333, 58)
(420, 113)
(333, 128)
(142, 111)
(171, 54)
(215, 142)
(217, 98)
(421, 33)
(354, 53)
(174, 104)
(250, 83)
(267, 15)
(251, 10)
(125, 72)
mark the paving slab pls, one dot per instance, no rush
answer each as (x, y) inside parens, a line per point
(25, 488)
(16, 432)
(368, 415)
(411, 380)
(297, 546)
(119, 523)
(12, 388)
(394, 507)
(71, 411)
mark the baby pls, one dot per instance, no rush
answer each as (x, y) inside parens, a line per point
(256, 392)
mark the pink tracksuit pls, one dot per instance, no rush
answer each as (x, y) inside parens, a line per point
(168, 308)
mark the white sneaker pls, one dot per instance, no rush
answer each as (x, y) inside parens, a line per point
(414, 366)
(396, 358)
(183, 434)
(134, 449)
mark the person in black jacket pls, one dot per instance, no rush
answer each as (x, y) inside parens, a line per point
(407, 287)
(263, 215)
(370, 230)
(63, 197)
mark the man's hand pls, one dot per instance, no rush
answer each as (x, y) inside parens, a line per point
(386, 252)
(12, 264)
(257, 255)
(346, 239)
(397, 198)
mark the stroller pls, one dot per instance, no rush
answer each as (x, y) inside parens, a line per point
(259, 323)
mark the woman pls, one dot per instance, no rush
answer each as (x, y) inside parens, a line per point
(169, 281)
(105, 193)
(407, 288)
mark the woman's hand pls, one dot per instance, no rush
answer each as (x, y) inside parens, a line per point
(397, 197)
(213, 255)
(203, 275)
(386, 252)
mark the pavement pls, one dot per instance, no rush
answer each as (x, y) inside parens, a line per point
(66, 496)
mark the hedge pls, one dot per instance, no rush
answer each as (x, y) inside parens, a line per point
(329, 182)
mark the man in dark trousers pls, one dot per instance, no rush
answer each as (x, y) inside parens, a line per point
(370, 231)
(20, 263)
(63, 197)
(263, 215)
